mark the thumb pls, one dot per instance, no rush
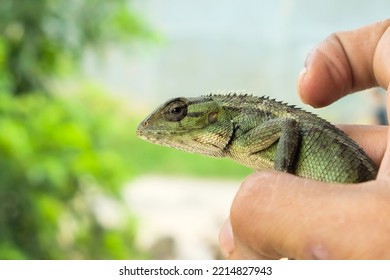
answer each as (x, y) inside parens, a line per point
(276, 215)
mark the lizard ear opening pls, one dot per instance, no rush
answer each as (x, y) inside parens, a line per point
(213, 117)
(175, 111)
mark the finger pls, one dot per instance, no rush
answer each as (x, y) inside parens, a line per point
(227, 245)
(384, 170)
(244, 252)
(372, 138)
(226, 241)
(279, 215)
(381, 60)
(344, 63)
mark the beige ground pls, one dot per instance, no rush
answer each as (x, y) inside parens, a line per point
(180, 217)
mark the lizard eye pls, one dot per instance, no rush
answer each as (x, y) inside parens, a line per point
(176, 111)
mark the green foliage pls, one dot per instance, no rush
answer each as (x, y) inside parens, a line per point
(57, 155)
(42, 38)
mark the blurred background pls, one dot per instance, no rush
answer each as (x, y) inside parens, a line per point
(76, 77)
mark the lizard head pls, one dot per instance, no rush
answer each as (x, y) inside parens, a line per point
(197, 125)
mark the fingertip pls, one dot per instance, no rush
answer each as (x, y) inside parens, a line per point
(320, 82)
(226, 239)
(300, 85)
(381, 58)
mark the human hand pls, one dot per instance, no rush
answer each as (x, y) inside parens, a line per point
(277, 215)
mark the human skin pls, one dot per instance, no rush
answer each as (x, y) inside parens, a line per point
(276, 215)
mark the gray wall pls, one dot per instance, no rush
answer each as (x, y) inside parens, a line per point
(259, 46)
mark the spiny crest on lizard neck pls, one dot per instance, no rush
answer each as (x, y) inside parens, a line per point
(245, 97)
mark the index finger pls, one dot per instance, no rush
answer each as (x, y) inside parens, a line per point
(372, 138)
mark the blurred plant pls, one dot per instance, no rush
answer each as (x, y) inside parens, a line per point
(57, 157)
(41, 38)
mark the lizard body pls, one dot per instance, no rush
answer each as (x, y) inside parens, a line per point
(260, 133)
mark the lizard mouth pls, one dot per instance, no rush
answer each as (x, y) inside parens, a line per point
(157, 135)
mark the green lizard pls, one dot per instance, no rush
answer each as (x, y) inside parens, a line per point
(259, 133)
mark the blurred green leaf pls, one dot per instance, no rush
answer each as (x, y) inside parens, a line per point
(56, 155)
(43, 38)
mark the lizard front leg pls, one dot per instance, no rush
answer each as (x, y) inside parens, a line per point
(258, 145)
